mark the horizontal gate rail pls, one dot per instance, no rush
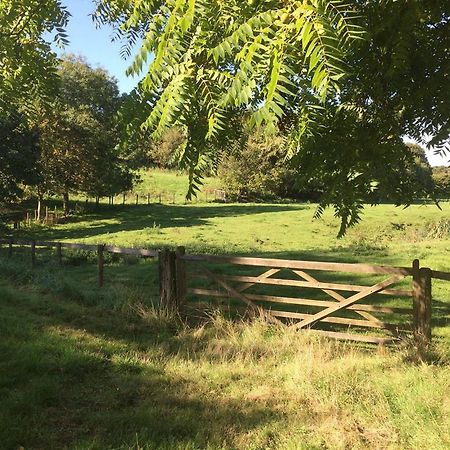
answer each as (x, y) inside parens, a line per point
(308, 284)
(297, 264)
(301, 301)
(440, 275)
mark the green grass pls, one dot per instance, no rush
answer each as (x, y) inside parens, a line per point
(84, 367)
(161, 185)
(169, 182)
(387, 235)
(93, 377)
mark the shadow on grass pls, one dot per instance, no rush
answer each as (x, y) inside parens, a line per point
(85, 377)
(139, 217)
(64, 383)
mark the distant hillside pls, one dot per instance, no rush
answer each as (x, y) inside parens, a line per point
(169, 182)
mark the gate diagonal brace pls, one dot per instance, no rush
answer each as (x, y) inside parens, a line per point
(261, 277)
(239, 295)
(348, 302)
(337, 296)
(340, 298)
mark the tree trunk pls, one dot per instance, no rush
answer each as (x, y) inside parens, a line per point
(97, 201)
(66, 203)
(39, 207)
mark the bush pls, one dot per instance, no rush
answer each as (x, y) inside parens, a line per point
(441, 178)
(258, 171)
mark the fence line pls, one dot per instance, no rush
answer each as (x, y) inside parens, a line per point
(53, 217)
(100, 249)
(175, 288)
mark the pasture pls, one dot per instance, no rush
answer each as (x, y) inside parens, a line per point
(86, 367)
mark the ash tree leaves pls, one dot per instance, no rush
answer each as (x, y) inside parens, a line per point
(209, 66)
(27, 62)
(342, 82)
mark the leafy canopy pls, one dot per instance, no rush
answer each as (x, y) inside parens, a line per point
(19, 154)
(343, 98)
(205, 64)
(79, 133)
(398, 86)
(27, 62)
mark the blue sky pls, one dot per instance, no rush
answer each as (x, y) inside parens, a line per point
(96, 46)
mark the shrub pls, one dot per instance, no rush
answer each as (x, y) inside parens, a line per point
(258, 171)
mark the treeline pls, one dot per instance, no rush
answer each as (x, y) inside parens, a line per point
(258, 170)
(441, 179)
(70, 145)
(74, 145)
(261, 172)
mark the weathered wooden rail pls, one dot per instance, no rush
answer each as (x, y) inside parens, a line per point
(100, 249)
(358, 315)
(232, 292)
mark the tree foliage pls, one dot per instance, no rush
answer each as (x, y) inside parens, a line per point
(27, 62)
(217, 60)
(441, 179)
(140, 150)
(79, 134)
(258, 171)
(19, 155)
(398, 86)
(300, 69)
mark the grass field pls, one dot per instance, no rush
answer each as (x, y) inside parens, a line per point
(89, 368)
(171, 182)
(82, 376)
(169, 186)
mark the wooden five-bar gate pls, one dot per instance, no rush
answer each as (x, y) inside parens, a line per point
(395, 303)
(335, 309)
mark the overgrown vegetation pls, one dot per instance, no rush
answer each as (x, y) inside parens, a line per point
(77, 375)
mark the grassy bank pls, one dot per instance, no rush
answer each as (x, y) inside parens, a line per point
(123, 375)
(170, 182)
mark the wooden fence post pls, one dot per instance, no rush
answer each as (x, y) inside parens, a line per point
(148, 199)
(422, 304)
(167, 281)
(10, 247)
(180, 276)
(59, 253)
(33, 253)
(101, 263)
